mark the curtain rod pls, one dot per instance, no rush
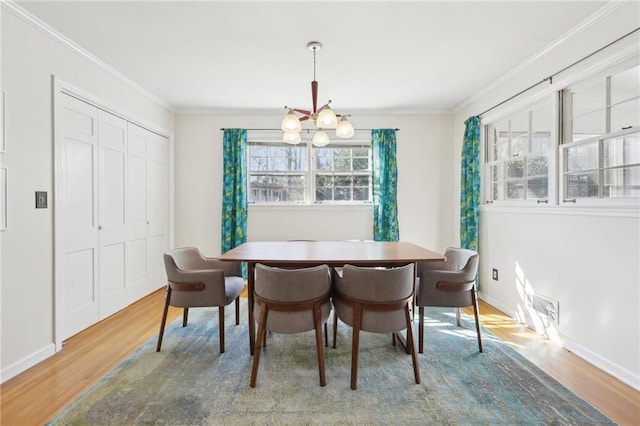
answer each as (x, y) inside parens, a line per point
(550, 78)
(303, 130)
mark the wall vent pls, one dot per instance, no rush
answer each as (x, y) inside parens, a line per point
(547, 309)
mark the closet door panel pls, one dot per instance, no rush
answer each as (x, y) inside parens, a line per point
(80, 305)
(112, 141)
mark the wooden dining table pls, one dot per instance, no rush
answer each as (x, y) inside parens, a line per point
(312, 253)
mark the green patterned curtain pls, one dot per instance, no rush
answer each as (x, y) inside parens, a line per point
(234, 189)
(384, 175)
(470, 184)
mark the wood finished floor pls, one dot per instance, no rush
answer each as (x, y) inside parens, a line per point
(39, 393)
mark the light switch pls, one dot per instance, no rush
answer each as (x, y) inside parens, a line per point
(41, 199)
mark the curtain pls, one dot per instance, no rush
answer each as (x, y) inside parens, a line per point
(384, 176)
(470, 184)
(234, 189)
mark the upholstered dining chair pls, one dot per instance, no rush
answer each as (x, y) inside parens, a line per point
(448, 283)
(291, 301)
(198, 281)
(376, 300)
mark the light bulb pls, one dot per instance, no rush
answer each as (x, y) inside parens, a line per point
(345, 128)
(292, 138)
(290, 123)
(320, 138)
(326, 118)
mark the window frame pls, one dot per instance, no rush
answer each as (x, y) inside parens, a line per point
(310, 172)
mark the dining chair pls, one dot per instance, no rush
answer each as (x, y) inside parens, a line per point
(375, 300)
(291, 301)
(448, 283)
(194, 280)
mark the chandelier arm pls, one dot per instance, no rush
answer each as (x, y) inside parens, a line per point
(302, 111)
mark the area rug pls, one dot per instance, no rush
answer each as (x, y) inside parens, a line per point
(190, 383)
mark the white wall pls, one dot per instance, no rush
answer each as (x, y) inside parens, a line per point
(424, 186)
(30, 58)
(587, 259)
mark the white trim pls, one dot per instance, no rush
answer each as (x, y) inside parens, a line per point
(309, 207)
(18, 11)
(553, 46)
(27, 362)
(565, 210)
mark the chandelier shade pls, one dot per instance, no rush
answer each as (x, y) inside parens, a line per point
(323, 118)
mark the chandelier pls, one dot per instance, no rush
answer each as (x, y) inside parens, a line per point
(323, 118)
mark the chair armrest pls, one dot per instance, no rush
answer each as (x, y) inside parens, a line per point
(455, 281)
(207, 276)
(230, 269)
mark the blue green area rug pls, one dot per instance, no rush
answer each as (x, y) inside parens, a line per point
(191, 383)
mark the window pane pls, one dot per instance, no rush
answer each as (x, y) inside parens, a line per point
(501, 140)
(360, 164)
(515, 189)
(360, 194)
(582, 185)
(589, 125)
(324, 194)
(540, 141)
(582, 157)
(342, 194)
(626, 114)
(498, 191)
(519, 144)
(622, 150)
(323, 159)
(537, 166)
(589, 99)
(515, 169)
(538, 188)
(623, 182)
(625, 85)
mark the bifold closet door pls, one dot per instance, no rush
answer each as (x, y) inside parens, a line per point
(79, 185)
(147, 209)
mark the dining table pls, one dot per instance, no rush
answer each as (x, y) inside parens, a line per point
(306, 253)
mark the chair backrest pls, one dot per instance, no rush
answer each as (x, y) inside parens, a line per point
(376, 286)
(292, 287)
(207, 285)
(449, 283)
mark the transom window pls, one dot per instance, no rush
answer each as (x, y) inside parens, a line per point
(303, 174)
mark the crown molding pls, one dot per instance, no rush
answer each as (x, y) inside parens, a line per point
(596, 17)
(11, 6)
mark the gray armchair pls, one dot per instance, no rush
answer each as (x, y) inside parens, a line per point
(450, 283)
(198, 281)
(291, 301)
(375, 300)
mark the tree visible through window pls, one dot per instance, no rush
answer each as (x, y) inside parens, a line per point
(304, 174)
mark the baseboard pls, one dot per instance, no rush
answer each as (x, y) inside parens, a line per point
(591, 357)
(27, 362)
(603, 364)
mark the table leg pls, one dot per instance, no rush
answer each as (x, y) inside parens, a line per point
(250, 287)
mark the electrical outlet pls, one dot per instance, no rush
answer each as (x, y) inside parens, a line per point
(41, 199)
(494, 274)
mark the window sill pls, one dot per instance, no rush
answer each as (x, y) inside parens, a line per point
(309, 207)
(630, 211)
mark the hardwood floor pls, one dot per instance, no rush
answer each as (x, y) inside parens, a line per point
(39, 393)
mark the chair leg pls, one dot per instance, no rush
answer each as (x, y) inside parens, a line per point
(262, 325)
(412, 346)
(458, 318)
(164, 318)
(357, 318)
(319, 348)
(326, 335)
(476, 314)
(221, 327)
(335, 327)
(238, 310)
(185, 316)
(421, 330)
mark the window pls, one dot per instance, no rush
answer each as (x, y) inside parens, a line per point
(304, 174)
(518, 152)
(601, 153)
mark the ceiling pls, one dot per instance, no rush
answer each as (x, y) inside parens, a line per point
(391, 57)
